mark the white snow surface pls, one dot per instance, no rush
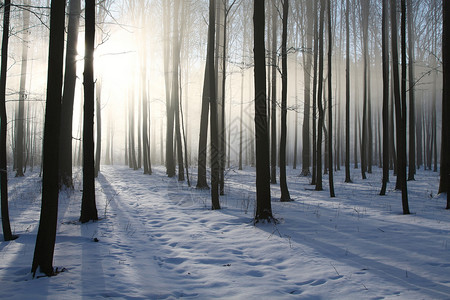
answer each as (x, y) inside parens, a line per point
(159, 239)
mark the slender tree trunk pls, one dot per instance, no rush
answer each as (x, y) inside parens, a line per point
(175, 89)
(400, 101)
(215, 204)
(7, 235)
(202, 145)
(412, 111)
(385, 54)
(45, 240)
(70, 76)
(20, 151)
(283, 183)
(319, 101)
(347, 94)
(263, 204)
(88, 207)
(315, 98)
(273, 134)
(98, 111)
(306, 154)
(330, 107)
(170, 163)
(365, 124)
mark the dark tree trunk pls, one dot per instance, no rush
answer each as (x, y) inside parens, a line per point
(444, 183)
(170, 162)
(7, 235)
(283, 183)
(175, 90)
(330, 107)
(214, 134)
(202, 144)
(306, 153)
(400, 101)
(88, 207)
(365, 124)
(45, 240)
(273, 131)
(70, 76)
(347, 94)
(315, 98)
(385, 58)
(412, 111)
(263, 205)
(319, 186)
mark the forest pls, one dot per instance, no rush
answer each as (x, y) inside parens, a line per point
(133, 124)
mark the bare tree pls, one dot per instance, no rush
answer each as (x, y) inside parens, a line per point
(385, 58)
(284, 74)
(263, 204)
(7, 235)
(330, 106)
(70, 77)
(45, 240)
(88, 207)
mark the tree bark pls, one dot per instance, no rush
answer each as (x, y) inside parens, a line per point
(330, 107)
(263, 204)
(347, 94)
(70, 77)
(385, 58)
(214, 134)
(273, 134)
(7, 235)
(45, 240)
(412, 111)
(88, 207)
(319, 186)
(306, 152)
(283, 183)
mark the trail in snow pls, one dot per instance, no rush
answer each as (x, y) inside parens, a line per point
(158, 239)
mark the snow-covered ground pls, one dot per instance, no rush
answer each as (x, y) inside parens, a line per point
(158, 239)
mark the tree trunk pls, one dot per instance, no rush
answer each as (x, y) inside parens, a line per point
(175, 89)
(88, 207)
(330, 107)
(385, 54)
(263, 204)
(20, 138)
(347, 94)
(306, 154)
(70, 76)
(214, 134)
(98, 110)
(273, 130)
(202, 144)
(319, 101)
(283, 183)
(412, 111)
(7, 235)
(45, 240)
(315, 99)
(170, 163)
(400, 108)
(365, 124)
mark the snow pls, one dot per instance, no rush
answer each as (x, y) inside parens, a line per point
(158, 239)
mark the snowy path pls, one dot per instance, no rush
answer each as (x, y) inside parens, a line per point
(157, 239)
